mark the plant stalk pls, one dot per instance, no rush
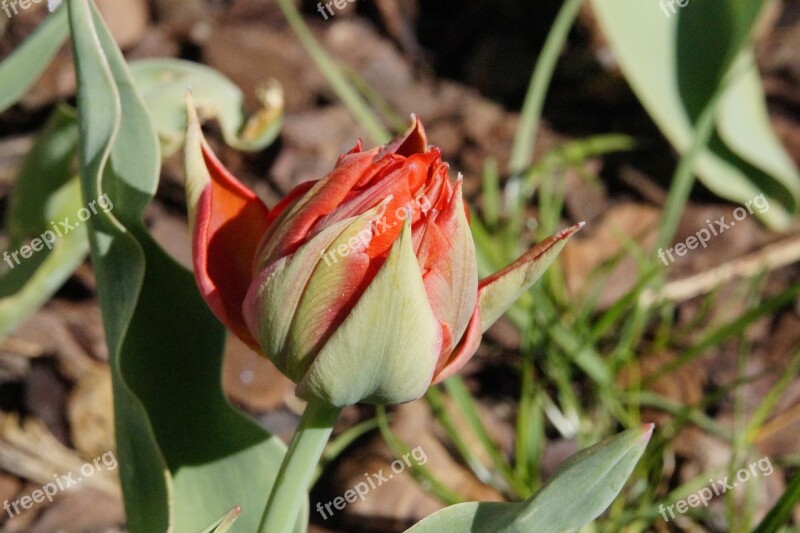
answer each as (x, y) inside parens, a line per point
(297, 470)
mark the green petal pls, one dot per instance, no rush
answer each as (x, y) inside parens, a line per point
(276, 296)
(500, 290)
(386, 349)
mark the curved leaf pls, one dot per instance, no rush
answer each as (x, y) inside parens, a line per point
(582, 488)
(675, 64)
(45, 193)
(162, 84)
(23, 67)
(186, 456)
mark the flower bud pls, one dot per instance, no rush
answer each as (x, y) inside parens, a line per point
(361, 286)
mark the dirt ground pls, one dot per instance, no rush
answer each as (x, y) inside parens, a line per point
(464, 70)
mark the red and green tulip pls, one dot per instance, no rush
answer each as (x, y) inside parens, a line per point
(361, 286)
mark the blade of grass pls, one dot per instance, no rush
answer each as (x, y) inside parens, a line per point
(525, 139)
(457, 389)
(772, 396)
(343, 89)
(419, 472)
(437, 404)
(683, 179)
(728, 330)
(491, 192)
(781, 512)
(339, 444)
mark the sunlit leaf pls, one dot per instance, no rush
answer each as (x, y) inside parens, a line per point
(162, 84)
(45, 194)
(186, 456)
(582, 488)
(24, 66)
(675, 64)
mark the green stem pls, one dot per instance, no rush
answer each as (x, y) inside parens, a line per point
(683, 179)
(343, 89)
(522, 150)
(297, 470)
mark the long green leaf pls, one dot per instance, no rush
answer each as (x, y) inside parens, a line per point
(327, 66)
(675, 65)
(582, 488)
(186, 457)
(525, 137)
(23, 67)
(46, 193)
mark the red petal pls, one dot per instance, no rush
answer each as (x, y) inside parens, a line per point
(294, 225)
(229, 224)
(463, 352)
(413, 141)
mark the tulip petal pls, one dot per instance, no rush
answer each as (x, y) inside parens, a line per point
(386, 349)
(447, 258)
(464, 350)
(334, 288)
(413, 141)
(272, 308)
(227, 221)
(497, 292)
(292, 227)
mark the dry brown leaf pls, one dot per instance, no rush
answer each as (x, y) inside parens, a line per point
(31, 452)
(90, 412)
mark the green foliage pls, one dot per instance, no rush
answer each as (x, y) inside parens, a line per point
(579, 491)
(21, 69)
(186, 456)
(162, 84)
(46, 193)
(677, 67)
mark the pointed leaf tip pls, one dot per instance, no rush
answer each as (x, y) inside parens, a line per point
(500, 290)
(577, 493)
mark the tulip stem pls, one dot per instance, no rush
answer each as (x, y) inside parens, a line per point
(292, 484)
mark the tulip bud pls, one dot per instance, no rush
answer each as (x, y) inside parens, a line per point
(360, 286)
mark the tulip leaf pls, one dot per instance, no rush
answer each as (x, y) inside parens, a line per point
(500, 290)
(45, 194)
(186, 456)
(24, 66)
(26, 287)
(675, 66)
(582, 488)
(162, 83)
(45, 189)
